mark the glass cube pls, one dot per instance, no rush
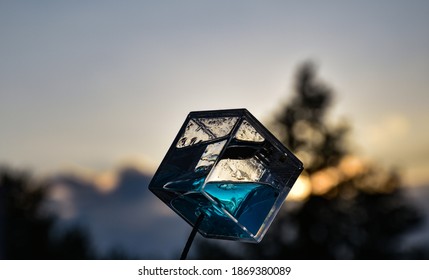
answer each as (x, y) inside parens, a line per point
(226, 165)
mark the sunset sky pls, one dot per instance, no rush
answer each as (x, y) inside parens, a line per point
(91, 85)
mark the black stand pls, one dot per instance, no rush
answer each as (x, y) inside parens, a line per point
(192, 236)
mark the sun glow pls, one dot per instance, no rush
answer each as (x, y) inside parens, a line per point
(322, 181)
(302, 188)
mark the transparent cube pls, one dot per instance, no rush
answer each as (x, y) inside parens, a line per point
(226, 165)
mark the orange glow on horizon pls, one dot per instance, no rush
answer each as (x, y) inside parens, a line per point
(106, 181)
(351, 166)
(322, 181)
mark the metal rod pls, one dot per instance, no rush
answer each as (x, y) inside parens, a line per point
(191, 237)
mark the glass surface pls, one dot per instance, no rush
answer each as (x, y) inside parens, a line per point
(226, 165)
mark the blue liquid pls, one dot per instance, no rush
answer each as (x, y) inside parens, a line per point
(248, 202)
(215, 223)
(182, 187)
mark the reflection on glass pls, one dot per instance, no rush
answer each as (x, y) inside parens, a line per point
(226, 165)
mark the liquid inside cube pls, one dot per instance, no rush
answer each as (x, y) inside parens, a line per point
(226, 166)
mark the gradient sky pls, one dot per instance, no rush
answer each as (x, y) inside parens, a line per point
(89, 85)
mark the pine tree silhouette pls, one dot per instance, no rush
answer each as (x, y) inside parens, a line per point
(25, 232)
(355, 210)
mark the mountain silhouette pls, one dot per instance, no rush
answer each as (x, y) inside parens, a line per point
(129, 219)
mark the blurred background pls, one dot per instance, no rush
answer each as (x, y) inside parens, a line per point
(93, 93)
